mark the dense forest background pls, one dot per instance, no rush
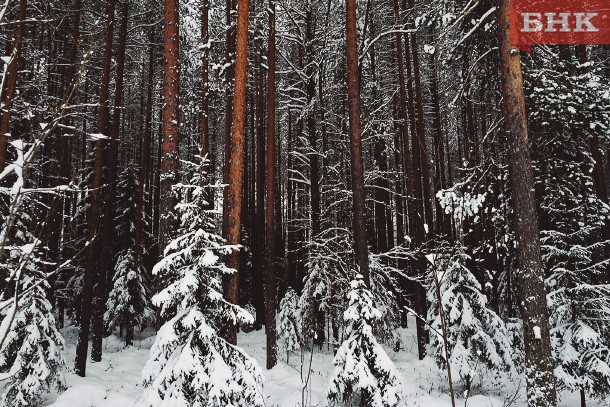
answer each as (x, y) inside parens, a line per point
(325, 169)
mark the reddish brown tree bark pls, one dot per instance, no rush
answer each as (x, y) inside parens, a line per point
(270, 284)
(91, 267)
(171, 128)
(106, 264)
(229, 79)
(361, 250)
(258, 231)
(235, 160)
(205, 96)
(538, 360)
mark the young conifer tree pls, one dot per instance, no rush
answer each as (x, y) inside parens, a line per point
(289, 322)
(477, 337)
(190, 363)
(31, 360)
(129, 303)
(362, 367)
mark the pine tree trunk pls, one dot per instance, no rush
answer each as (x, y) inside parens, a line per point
(229, 79)
(290, 215)
(538, 360)
(361, 250)
(379, 237)
(62, 165)
(258, 232)
(91, 267)
(8, 94)
(314, 159)
(171, 130)
(145, 157)
(108, 249)
(404, 114)
(270, 283)
(235, 160)
(205, 111)
(442, 223)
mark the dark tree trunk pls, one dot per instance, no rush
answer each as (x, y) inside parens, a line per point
(235, 160)
(106, 239)
(258, 232)
(145, 157)
(442, 223)
(8, 94)
(206, 167)
(171, 129)
(91, 268)
(538, 359)
(361, 250)
(229, 78)
(270, 284)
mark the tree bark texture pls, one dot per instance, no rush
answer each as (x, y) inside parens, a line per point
(538, 360)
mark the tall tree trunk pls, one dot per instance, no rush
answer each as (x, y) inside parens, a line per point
(106, 239)
(314, 158)
(171, 129)
(8, 94)
(361, 250)
(379, 236)
(442, 223)
(291, 258)
(404, 127)
(235, 159)
(62, 165)
(91, 268)
(229, 79)
(270, 284)
(258, 232)
(538, 360)
(421, 139)
(145, 157)
(205, 111)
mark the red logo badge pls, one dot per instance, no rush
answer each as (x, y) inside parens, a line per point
(559, 22)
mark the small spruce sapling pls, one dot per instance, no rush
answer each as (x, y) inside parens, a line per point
(475, 335)
(129, 303)
(361, 365)
(190, 364)
(31, 360)
(288, 322)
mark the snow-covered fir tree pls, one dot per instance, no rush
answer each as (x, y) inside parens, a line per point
(476, 336)
(385, 289)
(362, 367)
(288, 327)
(31, 360)
(190, 364)
(324, 284)
(568, 115)
(129, 303)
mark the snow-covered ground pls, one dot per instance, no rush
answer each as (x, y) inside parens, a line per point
(115, 382)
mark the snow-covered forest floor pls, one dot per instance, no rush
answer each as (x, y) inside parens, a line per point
(115, 382)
